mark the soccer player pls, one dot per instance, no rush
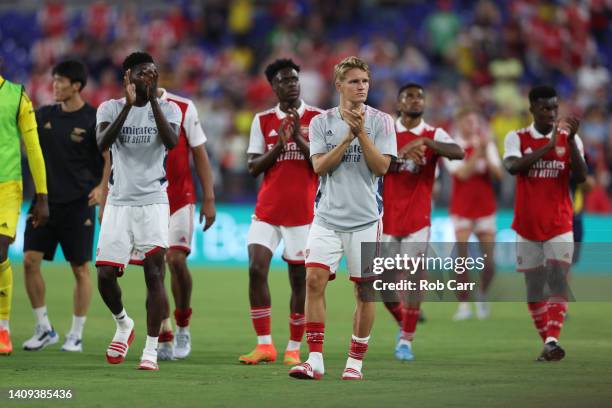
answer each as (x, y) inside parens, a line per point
(472, 204)
(351, 147)
(279, 149)
(74, 168)
(543, 157)
(407, 195)
(138, 130)
(16, 118)
(182, 198)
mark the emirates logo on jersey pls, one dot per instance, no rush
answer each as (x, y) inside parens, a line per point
(560, 150)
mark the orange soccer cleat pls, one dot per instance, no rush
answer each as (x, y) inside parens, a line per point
(6, 347)
(292, 357)
(263, 353)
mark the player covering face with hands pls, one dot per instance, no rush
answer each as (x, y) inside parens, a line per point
(139, 130)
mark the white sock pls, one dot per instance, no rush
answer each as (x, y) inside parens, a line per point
(267, 339)
(78, 322)
(40, 313)
(293, 345)
(182, 330)
(404, 341)
(150, 350)
(550, 338)
(5, 325)
(315, 359)
(123, 320)
(353, 362)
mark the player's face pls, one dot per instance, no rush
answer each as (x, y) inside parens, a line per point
(286, 85)
(469, 124)
(411, 101)
(63, 89)
(545, 112)
(355, 85)
(139, 75)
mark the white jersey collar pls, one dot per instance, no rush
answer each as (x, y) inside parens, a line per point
(281, 115)
(417, 130)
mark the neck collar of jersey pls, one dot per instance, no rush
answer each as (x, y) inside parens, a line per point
(281, 115)
(536, 134)
(416, 130)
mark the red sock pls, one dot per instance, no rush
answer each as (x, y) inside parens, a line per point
(261, 318)
(557, 307)
(182, 317)
(297, 324)
(410, 317)
(165, 337)
(539, 314)
(357, 349)
(396, 311)
(315, 333)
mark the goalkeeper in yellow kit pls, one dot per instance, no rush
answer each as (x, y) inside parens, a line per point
(16, 118)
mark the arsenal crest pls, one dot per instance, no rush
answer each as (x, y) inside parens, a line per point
(560, 150)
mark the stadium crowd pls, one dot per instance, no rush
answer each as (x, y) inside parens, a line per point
(482, 53)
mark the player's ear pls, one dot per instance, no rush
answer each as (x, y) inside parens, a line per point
(338, 85)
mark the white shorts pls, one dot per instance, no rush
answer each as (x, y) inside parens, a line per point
(181, 228)
(269, 235)
(531, 255)
(325, 249)
(477, 225)
(125, 229)
(416, 243)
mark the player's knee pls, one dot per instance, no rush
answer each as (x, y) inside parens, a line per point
(106, 273)
(257, 271)
(81, 271)
(316, 281)
(177, 260)
(31, 263)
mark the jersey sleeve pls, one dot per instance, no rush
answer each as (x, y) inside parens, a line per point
(512, 145)
(173, 113)
(27, 117)
(29, 132)
(257, 144)
(385, 139)
(492, 154)
(317, 137)
(443, 137)
(193, 129)
(579, 144)
(452, 165)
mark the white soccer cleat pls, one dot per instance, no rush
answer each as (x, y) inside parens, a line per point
(464, 312)
(305, 371)
(483, 310)
(165, 351)
(118, 348)
(182, 344)
(351, 374)
(41, 339)
(148, 365)
(72, 343)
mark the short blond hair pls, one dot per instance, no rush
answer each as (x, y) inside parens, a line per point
(347, 64)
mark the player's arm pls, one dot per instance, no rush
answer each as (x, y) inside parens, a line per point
(322, 163)
(260, 160)
(517, 163)
(26, 121)
(578, 164)
(443, 145)
(102, 188)
(107, 132)
(377, 162)
(168, 132)
(202, 166)
(466, 169)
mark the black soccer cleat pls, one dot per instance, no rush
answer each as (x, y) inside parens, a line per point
(552, 352)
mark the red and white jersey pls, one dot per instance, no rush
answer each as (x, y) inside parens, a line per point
(542, 204)
(180, 182)
(473, 197)
(287, 194)
(407, 193)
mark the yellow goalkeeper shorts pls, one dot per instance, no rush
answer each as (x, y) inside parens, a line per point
(11, 193)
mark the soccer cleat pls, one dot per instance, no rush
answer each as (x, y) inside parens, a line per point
(6, 346)
(119, 346)
(422, 318)
(72, 343)
(351, 374)
(304, 371)
(263, 353)
(552, 352)
(464, 312)
(165, 351)
(403, 351)
(148, 365)
(182, 344)
(483, 310)
(41, 339)
(292, 357)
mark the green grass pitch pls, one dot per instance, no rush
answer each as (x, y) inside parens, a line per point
(473, 363)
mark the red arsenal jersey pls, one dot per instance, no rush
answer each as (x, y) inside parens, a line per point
(407, 193)
(287, 194)
(542, 204)
(180, 182)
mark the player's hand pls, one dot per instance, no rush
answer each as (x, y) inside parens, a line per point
(570, 125)
(294, 116)
(354, 119)
(285, 131)
(209, 211)
(40, 212)
(95, 196)
(414, 151)
(130, 89)
(150, 78)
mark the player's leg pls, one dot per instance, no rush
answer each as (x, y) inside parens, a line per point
(262, 240)
(463, 230)
(165, 340)
(391, 299)
(156, 299)
(323, 253)
(6, 294)
(486, 238)
(82, 299)
(113, 253)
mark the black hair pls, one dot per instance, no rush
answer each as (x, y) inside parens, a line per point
(273, 68)
(136, 58)
(74, 70)
(410, 85)
(541, 92)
